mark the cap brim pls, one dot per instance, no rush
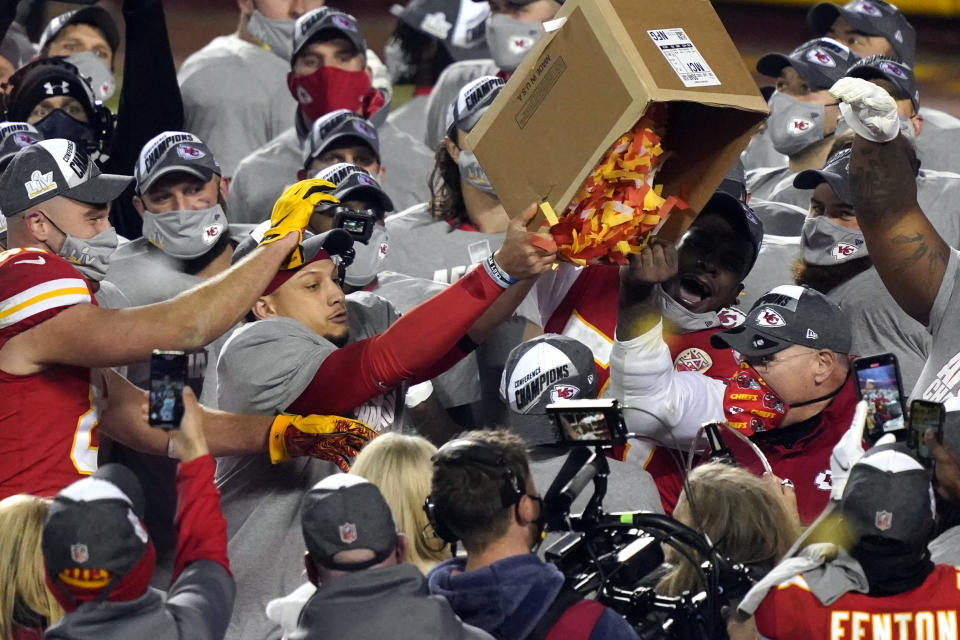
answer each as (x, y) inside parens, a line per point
(812, 178)
(368, 193)
(741, 339)
(100, 189)
(345, 135)
(199, 172)
(772, 64)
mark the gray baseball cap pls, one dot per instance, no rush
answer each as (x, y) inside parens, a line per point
(93, 15)
(884, 68)
(821, 62)
(472, 102)
(15, 136)
(539, 372)
(313, 23)
(872, 17)
(785, 316)
(174, 151)
(836, 173)
(341, 126)
(355, 183)
(460, 24)
(52, 168)
(343, 513)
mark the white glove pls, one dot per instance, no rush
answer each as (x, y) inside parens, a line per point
(418, 394)
(849, 450)
(869, 110)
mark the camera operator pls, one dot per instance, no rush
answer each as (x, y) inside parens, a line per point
(483, 494)
(878, 581)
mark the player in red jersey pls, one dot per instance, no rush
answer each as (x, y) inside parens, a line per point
(56, 343)
(882, 583)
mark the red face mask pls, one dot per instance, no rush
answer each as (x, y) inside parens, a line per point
(330, 88)
(750, 405)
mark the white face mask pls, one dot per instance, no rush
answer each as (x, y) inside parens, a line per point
(185, 234)
(682, 319)
(368, 258)
(276, 34)
(510, 39)
(794, 125)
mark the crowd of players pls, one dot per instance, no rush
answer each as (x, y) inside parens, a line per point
(344, 275)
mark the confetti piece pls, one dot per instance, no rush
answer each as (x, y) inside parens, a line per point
(548, 213)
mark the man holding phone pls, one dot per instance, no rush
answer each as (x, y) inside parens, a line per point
(56, 344)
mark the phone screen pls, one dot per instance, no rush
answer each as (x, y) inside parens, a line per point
(168, 374)
(879, 386)
(923, 416)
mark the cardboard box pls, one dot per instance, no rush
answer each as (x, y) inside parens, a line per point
(589, 81)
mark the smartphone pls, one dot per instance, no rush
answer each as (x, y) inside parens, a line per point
(168, 375)
(588, 423)
(925, 415)
(878, 382)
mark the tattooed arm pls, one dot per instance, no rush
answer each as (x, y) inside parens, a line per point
(907, 251)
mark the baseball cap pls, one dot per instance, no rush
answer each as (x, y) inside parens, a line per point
(735, 182)
(52, 168)
(93, 15)
(740, 217)
(343, 513)
(15, 136)
(341, 126)
(16, 46)
(460, 24)
(885, 68)
(174, 151)
(821, 62)
(471, 103)
(541, 371)
(313, 23)
(888, 495)
(785, 316)
(94, 534)
(836, 173)
(355, 183)
(872, 17)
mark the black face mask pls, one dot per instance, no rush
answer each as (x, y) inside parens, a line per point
(61, 125)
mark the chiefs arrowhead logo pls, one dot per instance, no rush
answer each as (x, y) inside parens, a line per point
(883, 520)
(843, 250)
(693, 359)
(798, 126)
(893, 69)
(820, 57)
(564, 392)
(730, 318)
(767, 317)
(189, 152)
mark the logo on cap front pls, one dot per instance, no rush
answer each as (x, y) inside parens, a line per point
(348, 533)
(190, 152)
(367, 180)
(564, 392)
(343, 22)
(364, 129)
(53, 89)
(893, 69)
(820, 57)
(24, 139)
(39, 183)
(868, 8)
(883, 520)
(770, 318)
(79, 553)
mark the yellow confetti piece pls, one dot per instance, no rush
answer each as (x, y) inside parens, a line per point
(652, 201)
(548, 213)
(623, 247)
(651, 218)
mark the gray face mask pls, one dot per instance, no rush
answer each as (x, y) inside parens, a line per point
(473, 173)
(276, 34)
(510, 39)
(906, 130)
(682, 319)
(369, 258)
(185, 234)
(90, 256)
(794, 125)
(92, 67)
(824, 242)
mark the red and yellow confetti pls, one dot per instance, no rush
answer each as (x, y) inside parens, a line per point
(618, 205)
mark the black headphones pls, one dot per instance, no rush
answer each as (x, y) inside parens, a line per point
(467, 451)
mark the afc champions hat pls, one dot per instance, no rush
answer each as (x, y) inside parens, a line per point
(174, 151)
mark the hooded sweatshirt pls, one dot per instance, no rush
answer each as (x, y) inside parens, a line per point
(390, 602)
(508, 598)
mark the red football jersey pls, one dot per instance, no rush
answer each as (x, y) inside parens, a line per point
(929, 612)
(47, 420)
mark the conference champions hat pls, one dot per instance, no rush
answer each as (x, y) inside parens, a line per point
(460, 24)
(92, 15)
(52, 168)
(472, 102)
(539, 372)
(785, 316)
(884, 68)
(888, 495)
(872, 17)
(355, 183)
(821, 62)
(338, 129)
(343, 513)
(15, 136)
(94, 533)
(311, 25)
(174, 151)
(329, 245)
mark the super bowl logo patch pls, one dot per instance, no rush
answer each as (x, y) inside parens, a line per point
(693, 359)
(797, 126)
(436, 24)
(767, 317)
(190, 152)
(564, 392)
(843, 250)
(820, 57)
(39, 183)
(348, 532)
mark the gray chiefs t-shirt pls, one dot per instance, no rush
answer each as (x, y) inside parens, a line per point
(263, 368)
(940, 379)
(424, 247)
